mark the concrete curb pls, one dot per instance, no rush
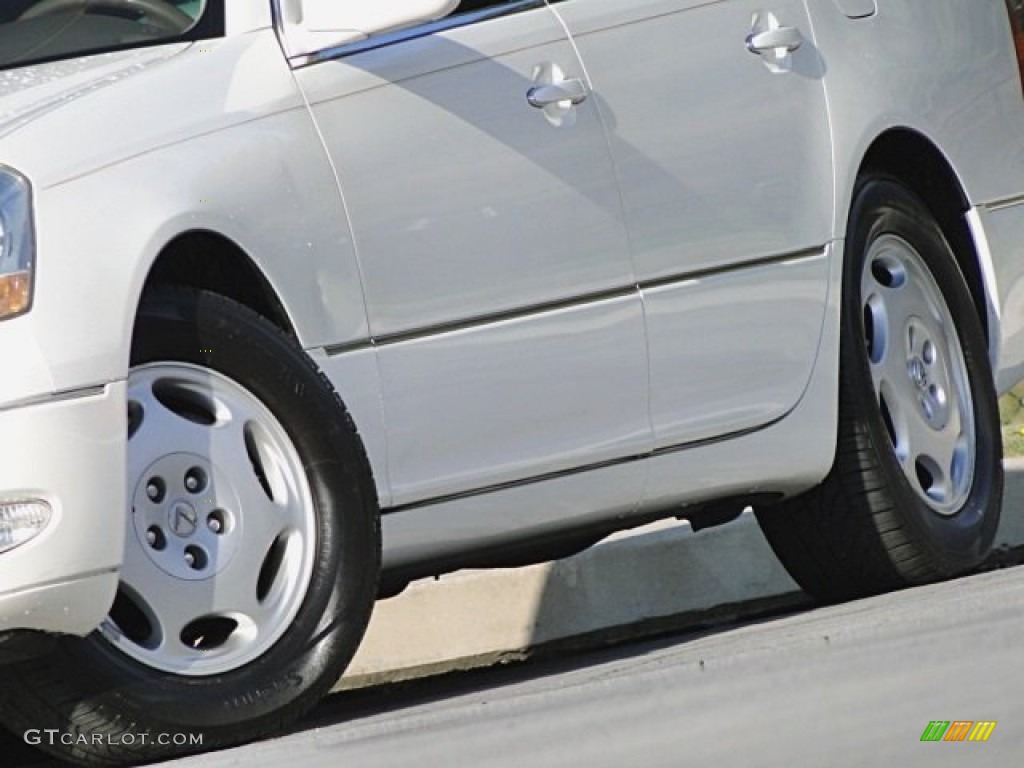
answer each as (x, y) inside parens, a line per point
(653, 579)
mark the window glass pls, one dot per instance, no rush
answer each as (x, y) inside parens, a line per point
(44, 30)
(476, 5)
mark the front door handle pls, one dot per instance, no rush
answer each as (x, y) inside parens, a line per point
(771, 40)
(571, 90)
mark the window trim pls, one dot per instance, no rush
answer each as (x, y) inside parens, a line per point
(388, 39)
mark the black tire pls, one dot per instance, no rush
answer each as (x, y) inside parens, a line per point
(110, 706)
(877, 524)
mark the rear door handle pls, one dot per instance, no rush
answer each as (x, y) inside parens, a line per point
(572, 90)
(786, 38)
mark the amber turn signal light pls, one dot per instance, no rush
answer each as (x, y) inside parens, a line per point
(15, 293)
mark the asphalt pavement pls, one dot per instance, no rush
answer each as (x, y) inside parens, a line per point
(849, 685)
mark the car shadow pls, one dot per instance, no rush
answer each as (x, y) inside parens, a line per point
(551, 660)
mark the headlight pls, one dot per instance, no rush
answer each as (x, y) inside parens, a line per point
(17, 244)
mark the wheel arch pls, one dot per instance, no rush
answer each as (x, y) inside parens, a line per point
(917, 162)
(208, 260)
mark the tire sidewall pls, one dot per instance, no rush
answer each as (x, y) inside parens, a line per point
(958, 541)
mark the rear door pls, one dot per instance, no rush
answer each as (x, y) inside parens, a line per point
(723, 157)
(493, 249)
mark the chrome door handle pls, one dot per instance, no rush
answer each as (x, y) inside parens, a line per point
(572, 90)
(788, 38)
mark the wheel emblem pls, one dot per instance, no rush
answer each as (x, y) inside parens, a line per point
(183, 519)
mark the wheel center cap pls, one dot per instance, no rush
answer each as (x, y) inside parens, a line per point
(183, 519)
(186, 516)
(918, 372)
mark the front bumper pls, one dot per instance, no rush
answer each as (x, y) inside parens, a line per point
(70, 452)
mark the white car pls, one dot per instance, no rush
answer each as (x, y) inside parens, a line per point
(281, 280)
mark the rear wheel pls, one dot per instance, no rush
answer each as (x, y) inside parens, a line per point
(916, 488)
(252, 549)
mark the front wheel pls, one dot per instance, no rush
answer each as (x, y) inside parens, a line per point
(916, 488)
(252, 549)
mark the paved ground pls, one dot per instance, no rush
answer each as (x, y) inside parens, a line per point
(850, 685)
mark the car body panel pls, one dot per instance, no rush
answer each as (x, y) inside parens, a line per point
(717, 371)
(781, 459)
(238, 79)
(722, 158)
(723, 161)
(30, 92)
(530, 213)
(54, 450)
(999, 233)
(476, 523)
(515, 399)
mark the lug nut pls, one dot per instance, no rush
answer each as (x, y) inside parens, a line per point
(195, 480)
(929, 353)
(155, 538)
(196, 558)
(216, 521)
(155, 490)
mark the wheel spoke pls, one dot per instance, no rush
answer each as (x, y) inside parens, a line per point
(256, 466)
(262, 529)
(159, 428)
(886, 315)
(890, 376)
(931, 456)
(170, 610)
(269, 505)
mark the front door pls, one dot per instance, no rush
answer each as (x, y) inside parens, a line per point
(494, 255)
